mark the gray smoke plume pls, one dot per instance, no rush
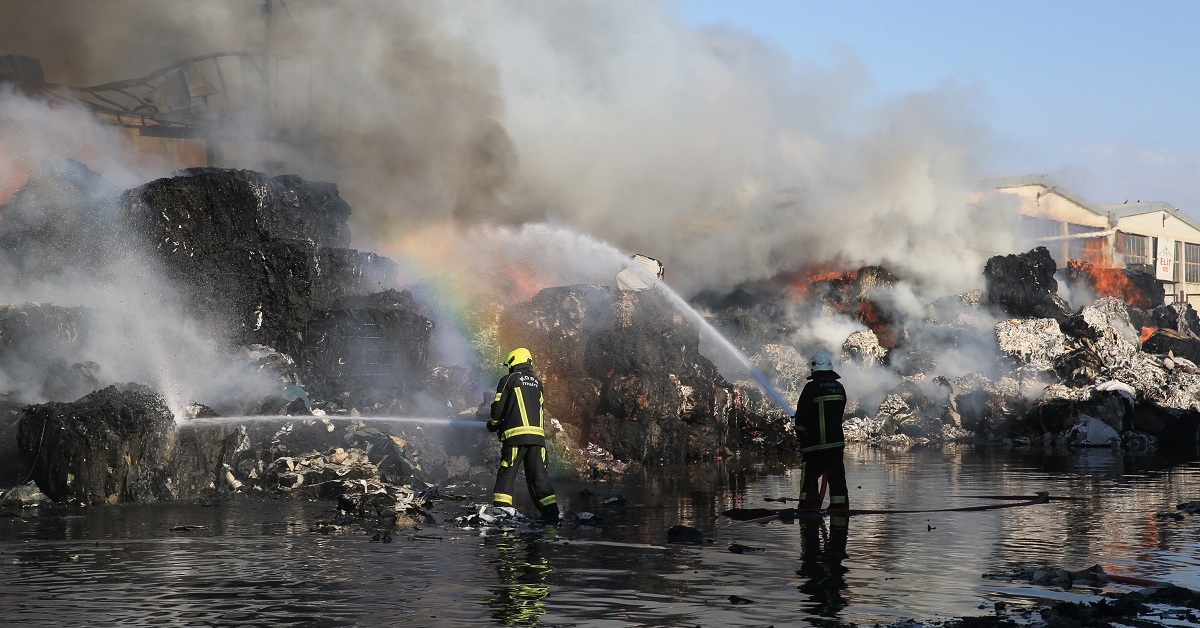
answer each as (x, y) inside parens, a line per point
(448, 126)
(710, 150)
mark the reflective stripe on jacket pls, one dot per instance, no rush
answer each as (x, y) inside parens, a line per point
(517, 410)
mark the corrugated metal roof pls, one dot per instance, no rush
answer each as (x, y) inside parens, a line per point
(1046, 183)
(1125, 210)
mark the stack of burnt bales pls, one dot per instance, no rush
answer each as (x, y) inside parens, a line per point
(1100, 383)
(623, 371)
(265, 260)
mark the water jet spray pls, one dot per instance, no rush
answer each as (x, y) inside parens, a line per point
(365, 419)
(724, 343)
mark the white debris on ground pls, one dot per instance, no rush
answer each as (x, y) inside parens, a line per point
(347, 474)
(501, 517)
(26, 495)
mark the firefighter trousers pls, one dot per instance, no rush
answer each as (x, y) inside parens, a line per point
(827, 462)
(537, 478)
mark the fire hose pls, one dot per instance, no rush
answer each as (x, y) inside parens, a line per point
(764, 515)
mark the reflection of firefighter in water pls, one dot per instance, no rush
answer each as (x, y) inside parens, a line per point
(821, 564)
(519, 598)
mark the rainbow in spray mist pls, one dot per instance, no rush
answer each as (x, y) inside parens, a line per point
(465, 275)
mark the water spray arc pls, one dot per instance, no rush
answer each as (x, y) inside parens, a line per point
(725, 344)
(365, 419)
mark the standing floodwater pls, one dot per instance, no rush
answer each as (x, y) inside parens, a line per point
(257, 561)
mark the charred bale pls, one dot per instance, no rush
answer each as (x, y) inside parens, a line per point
(754, 314)
(11, 471)
(910, 411)
(1079, 366)
(114, 445)
(1058, 416)
(1107, 322)
(1188, 320)
(862, 348)
(1163, 317)
(989, 409)
(367, 350)
(1023, 285)
(1175, 428)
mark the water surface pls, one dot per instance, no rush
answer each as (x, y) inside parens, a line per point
(261, 561)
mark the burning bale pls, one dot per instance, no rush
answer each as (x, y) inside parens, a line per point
(1134, 287)
(1167, 341)
(858, 295)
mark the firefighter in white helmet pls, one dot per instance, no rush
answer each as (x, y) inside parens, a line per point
(518, 418)
(819, 414)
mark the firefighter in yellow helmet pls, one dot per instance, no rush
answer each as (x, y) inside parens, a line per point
(517, 417)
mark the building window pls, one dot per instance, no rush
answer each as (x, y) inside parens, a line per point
(1135, 248)
(1191, 262)
(1035, 227)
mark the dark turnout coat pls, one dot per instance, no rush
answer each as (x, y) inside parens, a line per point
(819, 412)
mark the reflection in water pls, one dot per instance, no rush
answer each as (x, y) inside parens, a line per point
(821, 565)
(519, 597)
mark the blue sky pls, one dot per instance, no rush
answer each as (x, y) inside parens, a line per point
(1100, 95)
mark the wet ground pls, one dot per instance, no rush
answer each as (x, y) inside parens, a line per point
(260, 561)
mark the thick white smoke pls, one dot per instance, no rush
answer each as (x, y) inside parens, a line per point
(137, 331)
(711, 150)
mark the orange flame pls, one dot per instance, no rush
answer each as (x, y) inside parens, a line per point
(14, 170)
(868, 314)
(524, 283)
(801, 282)
(1111, 282)
(1146, 333)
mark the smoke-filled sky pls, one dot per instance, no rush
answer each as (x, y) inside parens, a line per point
(714, 150)
(1098, 94)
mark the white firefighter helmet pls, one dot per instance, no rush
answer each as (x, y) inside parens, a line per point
(821, 361)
